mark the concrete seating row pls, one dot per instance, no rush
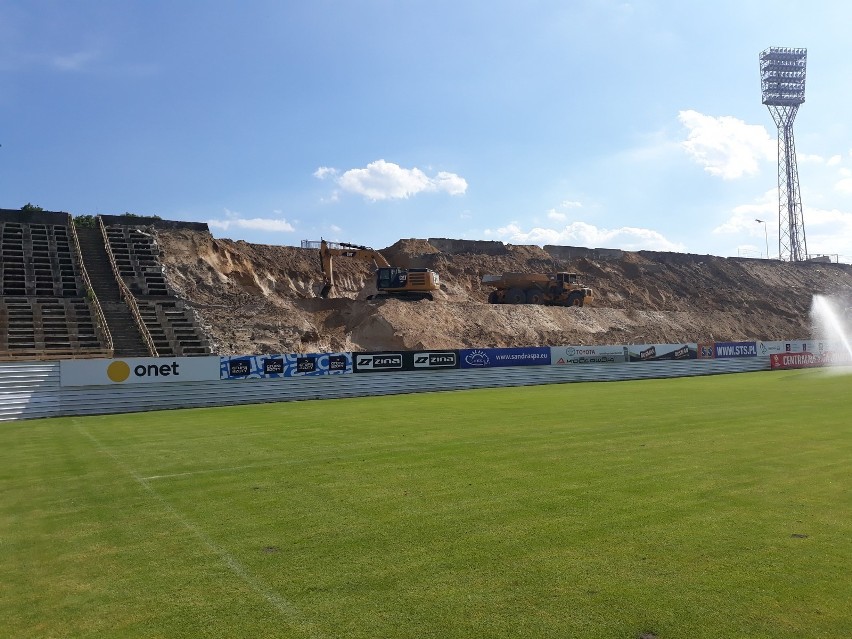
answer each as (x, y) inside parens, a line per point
(37, 259)
(49, 324)
(137, 259)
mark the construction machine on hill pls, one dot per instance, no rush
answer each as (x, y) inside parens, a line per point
(556, 289)
(391, 281)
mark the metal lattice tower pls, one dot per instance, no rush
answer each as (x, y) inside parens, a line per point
(782, 83)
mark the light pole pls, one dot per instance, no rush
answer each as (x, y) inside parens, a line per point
(782, 85)
(765, 235)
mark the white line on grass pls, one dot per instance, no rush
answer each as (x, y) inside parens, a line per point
(282, 605)
(205, 471)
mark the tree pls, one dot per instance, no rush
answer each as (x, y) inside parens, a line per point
(31, 208)
(144, 217)
(85, 221)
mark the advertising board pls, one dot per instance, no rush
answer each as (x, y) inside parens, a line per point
(395, 361)
(727, 350)
(566, 355)
(802, 346)
(765, 349)
(660, 352)
(706, 350)
(828, 355)
(284, 365)
(137, 370)
(492, 357)
(794, 360)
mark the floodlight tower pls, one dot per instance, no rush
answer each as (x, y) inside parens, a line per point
(782, 83)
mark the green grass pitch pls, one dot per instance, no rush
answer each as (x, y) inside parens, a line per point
(688, 508)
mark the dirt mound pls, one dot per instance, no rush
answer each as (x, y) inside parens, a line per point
(255, 298)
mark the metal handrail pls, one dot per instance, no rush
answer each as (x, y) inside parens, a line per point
(127, 295)
(100, 319)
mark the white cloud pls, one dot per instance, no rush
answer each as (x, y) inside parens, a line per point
(743, 217)
(844, 185)
(726, 146)
(381, 180)
(324, 172)
(234, 220)
(828, 231)
(559, 216)
(74, 61)
(582, 234)
(834, 160)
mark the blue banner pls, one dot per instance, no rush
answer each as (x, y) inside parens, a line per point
(289, 365)
(491, 357)
(735, 349)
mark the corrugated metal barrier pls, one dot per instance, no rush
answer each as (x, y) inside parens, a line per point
(33, 390)
(29, 390)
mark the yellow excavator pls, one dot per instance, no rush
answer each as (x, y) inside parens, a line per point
(391, 281)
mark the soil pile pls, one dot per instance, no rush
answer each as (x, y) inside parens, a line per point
(254, 298)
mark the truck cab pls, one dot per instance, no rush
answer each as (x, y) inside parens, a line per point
(566, 278)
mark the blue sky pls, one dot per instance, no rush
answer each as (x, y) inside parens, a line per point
(633, 125)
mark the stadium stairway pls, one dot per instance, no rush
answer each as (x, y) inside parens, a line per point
(169, 321)
(127, 341)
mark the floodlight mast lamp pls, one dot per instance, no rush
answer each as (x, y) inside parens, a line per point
(782, 83)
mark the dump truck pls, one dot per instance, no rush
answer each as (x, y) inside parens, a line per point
(391, 281)
(556, 289)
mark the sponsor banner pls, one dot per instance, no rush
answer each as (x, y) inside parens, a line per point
(284, 365)
(728, 350)
(809, 346)
(563, 355)
(435, 359)
(807, 359)
(840, 357)
(765, 349)
(706, 351)
(390, 361)
(137, 370)
(491, 357)
(793, 360)
(660, 352)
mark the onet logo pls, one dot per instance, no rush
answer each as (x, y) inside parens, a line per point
(119, 371)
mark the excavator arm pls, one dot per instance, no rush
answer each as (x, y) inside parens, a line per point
(342, 249)
(398, 282)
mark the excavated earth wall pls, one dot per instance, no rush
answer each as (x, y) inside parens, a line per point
(254, 298)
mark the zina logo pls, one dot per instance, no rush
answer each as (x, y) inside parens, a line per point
(119, 371)
(381, 361)
(434, 360)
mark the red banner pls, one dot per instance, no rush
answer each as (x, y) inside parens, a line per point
(808, 360)
(794, 360)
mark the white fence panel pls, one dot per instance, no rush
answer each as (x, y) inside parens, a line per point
(28, 390)
(124, 399)
(32, 390)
